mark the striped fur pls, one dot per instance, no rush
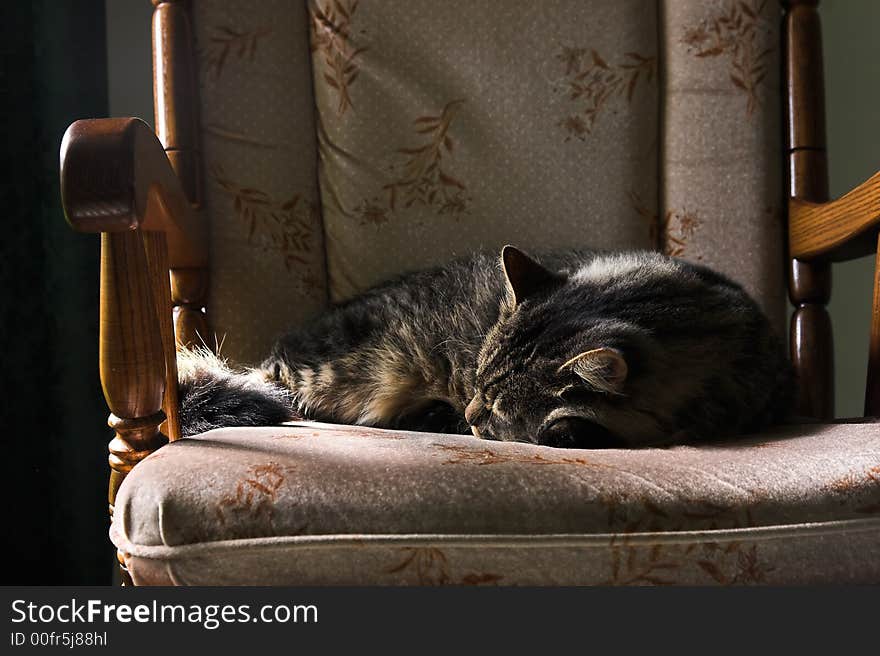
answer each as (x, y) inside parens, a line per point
(491, 346)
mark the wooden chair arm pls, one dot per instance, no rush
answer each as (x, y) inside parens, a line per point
(840, 229)
(117, 180)
(115, 177)
(843, 229)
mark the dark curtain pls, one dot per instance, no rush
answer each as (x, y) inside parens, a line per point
(53, 71)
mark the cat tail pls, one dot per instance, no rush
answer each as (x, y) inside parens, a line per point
(213, 395)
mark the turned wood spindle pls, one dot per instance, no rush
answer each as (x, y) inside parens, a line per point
(176, 109)
(809, 283)
(189, 288)
(132, 360)
(156, 249)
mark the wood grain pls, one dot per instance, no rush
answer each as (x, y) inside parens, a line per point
(840, 229)
(174, 81)
(131, 356)
(115, 177)
(157, 261)
(176, 105)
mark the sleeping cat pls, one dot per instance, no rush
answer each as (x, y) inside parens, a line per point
(575, 349)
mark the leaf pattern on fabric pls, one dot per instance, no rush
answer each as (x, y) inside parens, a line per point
(671, 232)
(862, 487)
(590, 82)
(421, 176)
(632, 563)
(430, 566)
(873, 506)
(734, 31)
(284, 226)
(225, 41)
(331, 37)
(255, 496)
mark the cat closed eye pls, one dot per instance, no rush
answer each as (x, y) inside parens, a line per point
(576, 394)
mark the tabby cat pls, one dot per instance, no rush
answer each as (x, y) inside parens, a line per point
(574, 349)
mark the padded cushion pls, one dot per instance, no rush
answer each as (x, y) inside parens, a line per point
(721, 189)
(322, 504)
(260, 185)
(455, 125)
(435, 128)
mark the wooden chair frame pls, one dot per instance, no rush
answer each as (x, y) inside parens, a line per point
(142, 192)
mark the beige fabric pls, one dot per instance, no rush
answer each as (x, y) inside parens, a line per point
(339, 504)
(445, 127)
(450, 126)
(722, 163)
(831, 552)
(260, 178)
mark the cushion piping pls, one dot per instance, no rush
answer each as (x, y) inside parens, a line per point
(591, 540)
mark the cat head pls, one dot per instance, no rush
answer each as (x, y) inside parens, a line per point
(550, 373)
(625, 349)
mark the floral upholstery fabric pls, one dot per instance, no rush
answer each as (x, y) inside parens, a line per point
(345, 142)
(721, 163)
(316, 504)
(259, 148)
(449, 126)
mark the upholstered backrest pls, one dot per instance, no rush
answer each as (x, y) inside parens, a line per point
(260, 191)
(721, 165)
(348, 141)
(475, 124)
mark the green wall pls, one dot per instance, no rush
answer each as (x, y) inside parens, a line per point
(129, 59)
(852, 99)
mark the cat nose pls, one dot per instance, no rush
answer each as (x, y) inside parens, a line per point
(473, 410)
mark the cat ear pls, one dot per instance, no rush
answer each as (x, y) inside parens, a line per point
(603, 369)
(524, 276)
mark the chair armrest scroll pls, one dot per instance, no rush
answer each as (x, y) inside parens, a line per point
(117, 180)
(115, 177)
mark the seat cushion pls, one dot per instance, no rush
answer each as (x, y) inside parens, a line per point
(313, 504)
